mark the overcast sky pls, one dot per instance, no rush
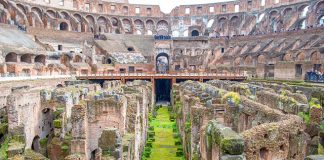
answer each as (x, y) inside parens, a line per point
(168, 5)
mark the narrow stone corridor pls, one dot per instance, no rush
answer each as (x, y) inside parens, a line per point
(166, 143)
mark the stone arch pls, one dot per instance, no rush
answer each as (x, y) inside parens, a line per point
(222, 20)
(51, 13)
(237, 61)
(27, 58)
(35, 145)
(287, 57)
(65, 15)
(103, 25)
(63, 26)
(287, 11)
(11, 57)
(35, 18)
(162, 62)
(162, 27)
(77, 59)
(139, 25)
(319, 6)
(40, 59)
(127, 24)
(91, 23)
(303, 10)
(300, 56)
(234, 20)
(114, 22)
(273, 14)
(65, 59)
(150, 24)
(248, 60)
(315, 57)
(21, 7)
(4, 3)
(261, 59)
(194, 33)
(78, 23)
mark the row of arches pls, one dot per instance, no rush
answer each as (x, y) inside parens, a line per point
(249, 60)
(26, 58)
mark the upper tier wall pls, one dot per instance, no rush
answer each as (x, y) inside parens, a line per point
(126, 9)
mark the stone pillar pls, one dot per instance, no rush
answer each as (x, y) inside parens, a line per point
(111, 143)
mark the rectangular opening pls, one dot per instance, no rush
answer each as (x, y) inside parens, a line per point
(187, 10)
(299, 70)
(131, 69)
(60, 47)
(122, 70)
(223, 8)
(199, 10)
(223, 50)
(177, 67)
(149, 11)
(137, 10)
(211, 9)
(100, 7)
(87, 7)
(61, 2)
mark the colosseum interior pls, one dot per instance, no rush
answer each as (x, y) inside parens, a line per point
(113, 80)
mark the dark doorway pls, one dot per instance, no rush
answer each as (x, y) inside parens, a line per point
(36, 146)
(194, 33)
(162, 90)
(64, 26)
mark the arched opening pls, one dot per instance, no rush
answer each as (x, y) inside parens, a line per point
(40, 59)
(109, 61)
(301, 56)
(162, 28)
(77, 59)
(194, 33)
(315, 57)
(11, 57)
(210, 23)
(261, 59)
(321, 20)
(35, 145)
(65, 59)
(264, 154)
(302, 24)
(149, 32)
(162, 63)
(26, 58)
(64, 26)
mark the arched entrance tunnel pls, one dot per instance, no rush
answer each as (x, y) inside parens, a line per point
(162, 90)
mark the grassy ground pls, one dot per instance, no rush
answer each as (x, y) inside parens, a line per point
(164, 146)
(3, 149)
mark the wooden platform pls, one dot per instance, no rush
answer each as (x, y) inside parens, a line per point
(153, 76)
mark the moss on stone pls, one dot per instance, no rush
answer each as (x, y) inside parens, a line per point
(43, 142)
(235, 97)
(4, 148)
(57, 123)
(3, 128)
(314, 102)
(305, 117)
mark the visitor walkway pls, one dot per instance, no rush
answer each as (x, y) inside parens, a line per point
(151, 76)
(164, 146)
